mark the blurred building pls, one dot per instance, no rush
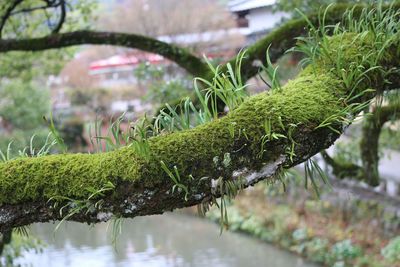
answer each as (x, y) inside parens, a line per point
(135, 105)
(119, 70)
(256, 17)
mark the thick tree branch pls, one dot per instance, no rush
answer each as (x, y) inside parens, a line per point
(231, 147)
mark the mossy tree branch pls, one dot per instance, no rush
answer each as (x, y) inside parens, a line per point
(179, 55)
(369, 147)
(343, 169)
(283, 38)
(369, 144)
(279, 40)
(201, 155)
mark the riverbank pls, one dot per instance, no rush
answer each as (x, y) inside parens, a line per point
(335, 230)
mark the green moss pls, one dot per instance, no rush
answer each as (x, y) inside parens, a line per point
(305, 102)
(300, 101)
(71, 175)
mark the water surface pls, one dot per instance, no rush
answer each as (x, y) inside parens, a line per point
(162, 241)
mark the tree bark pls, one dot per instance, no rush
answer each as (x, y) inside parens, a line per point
(5, 238)
(369, 144)
(343, 169)
(369, 147)
(179, 55)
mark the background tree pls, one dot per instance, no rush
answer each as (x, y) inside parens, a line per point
(23, 75)
(22, 107)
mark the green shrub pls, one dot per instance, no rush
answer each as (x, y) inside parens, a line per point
(344, 251)
(317, 249)
(392, 250)
(252, 225)
(300, 235)
(19, 245)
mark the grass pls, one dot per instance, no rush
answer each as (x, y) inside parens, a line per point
(69, 207)
(227, 190)
(311, 172)
(57, 137)
(272, 73)
(51, 141)
(176, 179)
(270, 135)
(226, 87)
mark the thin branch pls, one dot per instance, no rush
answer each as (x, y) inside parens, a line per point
(7, 14)
(49, 5)
(61, 20)
(179, 55)
(29, 10)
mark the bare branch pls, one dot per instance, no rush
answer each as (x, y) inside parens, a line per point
(10, 11)
(179, 55)
(7, 14)
(63, 15)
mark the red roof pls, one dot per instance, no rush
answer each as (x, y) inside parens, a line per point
(125, 60)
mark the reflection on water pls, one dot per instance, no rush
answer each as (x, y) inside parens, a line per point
(162, 241)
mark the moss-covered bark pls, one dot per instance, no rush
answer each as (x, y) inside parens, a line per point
(369, 145)
(343, 169)
(279, 40)
(179, 55)
(283, 38)
(369, 148)
(304, 102)
(201, 155)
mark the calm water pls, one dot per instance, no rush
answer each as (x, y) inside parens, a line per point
(162, 241)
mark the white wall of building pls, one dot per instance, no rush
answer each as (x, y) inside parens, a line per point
(263, 18)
